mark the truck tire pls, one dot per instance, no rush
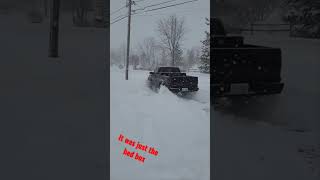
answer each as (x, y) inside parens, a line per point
(160, 84)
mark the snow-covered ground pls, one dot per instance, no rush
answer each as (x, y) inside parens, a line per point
(177, 127)
(265, 137)
(52, 111)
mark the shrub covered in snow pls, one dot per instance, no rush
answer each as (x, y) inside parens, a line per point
(205, 54)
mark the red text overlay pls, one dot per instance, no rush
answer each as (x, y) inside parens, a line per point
(139, 149)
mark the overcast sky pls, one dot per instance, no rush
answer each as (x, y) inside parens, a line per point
(145, 25)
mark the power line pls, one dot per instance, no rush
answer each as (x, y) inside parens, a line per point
(160, 14)
(118, 10)
(187, 11)
(121, 9)
(123, 16)
(136, 5)
(166, 6)
(118, 20)
(119, 16)
(124, 7)
(154, 5)
(171, 5)
(139, 0)
(155, 9)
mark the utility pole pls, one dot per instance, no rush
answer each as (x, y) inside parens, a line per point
(128, 38)
(54, 28)
(45, 4)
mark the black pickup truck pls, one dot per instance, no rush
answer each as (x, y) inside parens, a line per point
(242, 69)
(173, 79)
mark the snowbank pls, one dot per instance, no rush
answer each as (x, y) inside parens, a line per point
(177, 127)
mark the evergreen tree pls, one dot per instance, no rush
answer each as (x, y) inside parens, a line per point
(205, 53)
(304, 15)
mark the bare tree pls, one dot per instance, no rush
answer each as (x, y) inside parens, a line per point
(147, 52)
(172, 31)
(163, 57)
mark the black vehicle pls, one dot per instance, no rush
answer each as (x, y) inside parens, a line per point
(173, 79)
(242, 69)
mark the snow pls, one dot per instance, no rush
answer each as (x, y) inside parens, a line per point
(253, 139)
(52, 111)
(300, 72)
(259, 138)
(178, 127)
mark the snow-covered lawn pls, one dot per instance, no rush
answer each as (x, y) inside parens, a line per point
(177, 127)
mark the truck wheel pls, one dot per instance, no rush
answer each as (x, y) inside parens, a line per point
(148, 83)
(154, 87)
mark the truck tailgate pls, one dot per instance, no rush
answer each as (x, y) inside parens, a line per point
(240, 65)
(183, 81)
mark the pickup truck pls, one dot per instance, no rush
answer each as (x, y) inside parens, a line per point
(173, 79)
(239, 69)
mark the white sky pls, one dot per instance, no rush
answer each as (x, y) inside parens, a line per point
(143, 26)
